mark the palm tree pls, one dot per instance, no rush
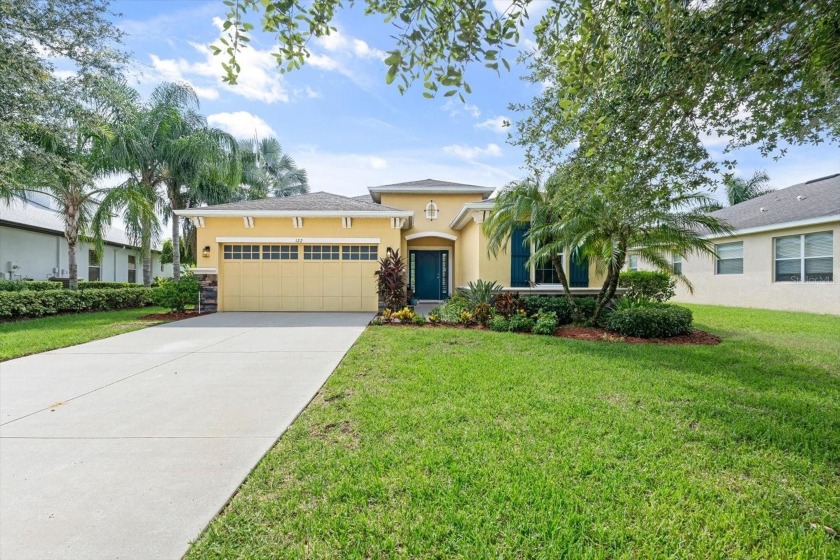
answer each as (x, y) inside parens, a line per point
(268, 171)
(739, 190)
(603, 224)
(75, 150)
(527, 204)
(165, 147)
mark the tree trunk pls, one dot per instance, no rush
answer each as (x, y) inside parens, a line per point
(561, 274)
(610, 283)
(74, 267)
(176, 246)
(147, 254)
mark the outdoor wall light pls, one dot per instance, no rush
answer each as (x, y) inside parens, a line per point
(206, 251)
(431, 211)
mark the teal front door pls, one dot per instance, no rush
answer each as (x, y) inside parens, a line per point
(427, 271)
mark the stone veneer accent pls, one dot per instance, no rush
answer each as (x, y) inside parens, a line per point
(209, 291)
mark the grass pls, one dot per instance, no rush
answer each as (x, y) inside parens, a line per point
(21, 338)
(472, 444)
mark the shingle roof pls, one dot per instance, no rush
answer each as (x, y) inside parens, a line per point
(428, 183)
(317, 201)
(31, 215)
(364, 197)
(813, 199)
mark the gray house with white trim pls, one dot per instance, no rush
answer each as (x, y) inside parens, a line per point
(32, 246)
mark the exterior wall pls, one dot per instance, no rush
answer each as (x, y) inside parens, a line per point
(42, 255)
(448, 207)
(467, 265)
(282, 227)
(756, 286)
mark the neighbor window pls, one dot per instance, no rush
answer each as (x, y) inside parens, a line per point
(805, 258)
(132, 269)
(730, 258)
(359, 253)
(676, 267)
(241, 252)
(93, 266)
(320, 252)
(633, 262)
(279, 252)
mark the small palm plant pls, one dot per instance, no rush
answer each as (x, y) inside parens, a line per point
(481, 292)
(391, 280)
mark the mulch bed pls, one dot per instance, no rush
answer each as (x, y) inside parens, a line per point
(171, 316)
(590, 334)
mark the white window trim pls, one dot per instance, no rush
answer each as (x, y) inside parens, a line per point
(718, 259)
(802, 258)
(307, 240)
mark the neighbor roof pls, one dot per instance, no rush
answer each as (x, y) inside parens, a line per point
(430, 186)
(812, 200)
(29, 215)
(317, 203)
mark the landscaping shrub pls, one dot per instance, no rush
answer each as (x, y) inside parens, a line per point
(450, 312)
(419, 319)
(521, 322)
(481, 292)
(546, 323)
(559, 305)
(174, 294)
(34, 285)
(99, 285)
(481, 313)
(645, 285)
(391, 280)
(651, 321)
(34, 303)
(506, 303)
(404, 315)
(499, 323)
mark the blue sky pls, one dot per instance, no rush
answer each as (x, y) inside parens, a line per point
(339, 119)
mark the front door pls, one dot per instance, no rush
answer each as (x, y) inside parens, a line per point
(427, 274)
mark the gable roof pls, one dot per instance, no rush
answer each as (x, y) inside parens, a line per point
(311, 204)
(809, 201)
(24, 214)
(429, 186)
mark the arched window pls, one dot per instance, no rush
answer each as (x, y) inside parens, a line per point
(431, 210)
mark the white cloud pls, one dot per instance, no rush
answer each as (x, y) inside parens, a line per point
(473, 152)
(338, 42)
(496, 124)
(455, 108)
(241, 124)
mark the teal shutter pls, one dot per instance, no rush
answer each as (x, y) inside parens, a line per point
(520, 252)
(579, 272)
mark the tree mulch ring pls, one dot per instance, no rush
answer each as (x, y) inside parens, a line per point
(172, 316)
(600, 335)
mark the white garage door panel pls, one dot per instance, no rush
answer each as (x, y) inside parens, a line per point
(298, 285)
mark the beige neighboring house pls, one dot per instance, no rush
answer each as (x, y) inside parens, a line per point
(784, 253)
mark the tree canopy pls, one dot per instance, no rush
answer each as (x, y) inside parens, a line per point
(659, 75)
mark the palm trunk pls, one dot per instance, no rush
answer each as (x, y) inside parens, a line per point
(610, 283)
(147, 254)
(561, 274)
(71, 234)
(176, 247)
(74, 266)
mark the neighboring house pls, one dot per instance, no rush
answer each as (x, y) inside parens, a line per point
(32, 246)
(319, 251)
(784, 253)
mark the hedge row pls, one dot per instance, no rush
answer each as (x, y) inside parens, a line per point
(559, 305)
(34, 285)
(33, 303)
(98, 285)
(651, 321)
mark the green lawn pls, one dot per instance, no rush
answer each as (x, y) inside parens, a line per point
(444, 443)
(20, 338)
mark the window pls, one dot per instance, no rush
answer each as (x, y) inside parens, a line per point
(676, 267)
(132, 269)
(730, 258)
(805, 258)
(359, 253)
(545, 273)
(93, 266)
(320, 252)
(279, 252)
(633, 262)
(241, 252)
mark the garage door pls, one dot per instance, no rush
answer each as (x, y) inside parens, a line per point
(305, 277)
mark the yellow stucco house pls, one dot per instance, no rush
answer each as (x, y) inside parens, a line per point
(319, 251)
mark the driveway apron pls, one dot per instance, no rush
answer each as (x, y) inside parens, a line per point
(127, 447)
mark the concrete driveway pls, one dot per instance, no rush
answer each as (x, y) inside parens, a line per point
(127, 447)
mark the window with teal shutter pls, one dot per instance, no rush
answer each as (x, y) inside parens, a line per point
(520, 252)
